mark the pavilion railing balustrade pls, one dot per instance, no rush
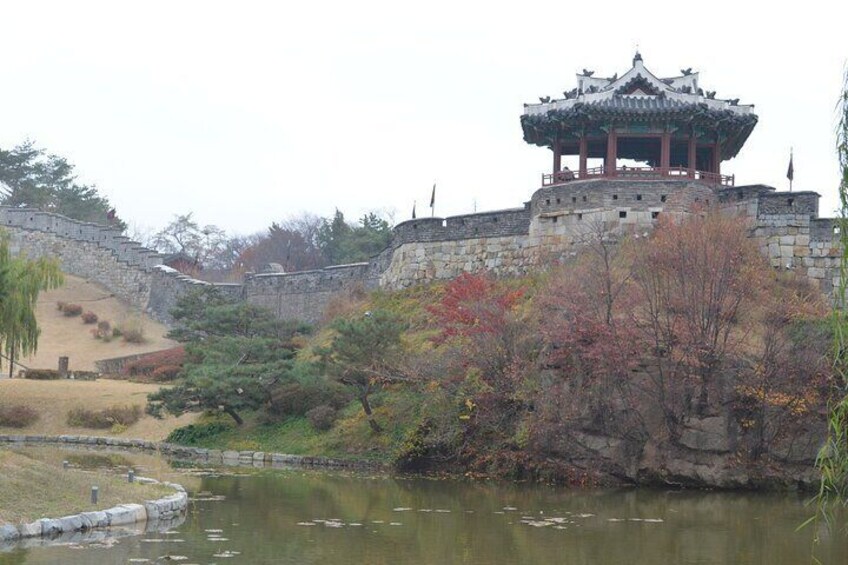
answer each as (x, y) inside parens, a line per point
(560, 177)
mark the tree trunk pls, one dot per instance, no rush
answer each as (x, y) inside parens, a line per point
(375, 427)
(234, 415)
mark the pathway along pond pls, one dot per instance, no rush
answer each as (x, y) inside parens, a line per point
(310, 517)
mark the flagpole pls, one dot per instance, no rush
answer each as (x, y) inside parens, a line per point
(433, 202)
(791, 167)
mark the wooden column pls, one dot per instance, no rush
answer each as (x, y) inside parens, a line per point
(612, 153)
(693, 158)
(584, 156)
(557, 156)
(717, 158)
(665, 153)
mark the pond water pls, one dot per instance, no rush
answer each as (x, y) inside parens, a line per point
(310, 517)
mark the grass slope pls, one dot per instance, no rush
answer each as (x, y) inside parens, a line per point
(64, 336)
(69, 490)
(53, 399)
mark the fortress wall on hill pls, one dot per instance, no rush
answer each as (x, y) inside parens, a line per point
(306, 294)
(103, 255)
(556, 222)
(550, 228)
(793, 237)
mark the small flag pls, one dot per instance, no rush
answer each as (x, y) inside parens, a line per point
(413, 210)
(433, 196)
(790, 173)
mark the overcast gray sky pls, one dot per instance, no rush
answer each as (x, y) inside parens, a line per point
(249, 112)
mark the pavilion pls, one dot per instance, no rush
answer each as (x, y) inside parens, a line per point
(671, 125)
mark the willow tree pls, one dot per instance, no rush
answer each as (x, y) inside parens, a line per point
(832, 461)
(21, 280)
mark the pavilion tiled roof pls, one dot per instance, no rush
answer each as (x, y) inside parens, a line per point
(639, 96)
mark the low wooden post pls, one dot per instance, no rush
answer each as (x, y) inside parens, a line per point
(63, 367)
(131, 476)
(94, 492)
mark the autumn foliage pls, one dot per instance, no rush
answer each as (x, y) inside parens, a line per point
(473, 305)
(162, 365)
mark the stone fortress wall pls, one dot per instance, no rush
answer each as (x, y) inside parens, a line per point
(552, 226)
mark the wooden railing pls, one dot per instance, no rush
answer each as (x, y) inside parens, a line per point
(560, 177)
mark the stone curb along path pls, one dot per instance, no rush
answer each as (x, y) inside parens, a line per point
(163, 508)
(213, 456)
(121, 515)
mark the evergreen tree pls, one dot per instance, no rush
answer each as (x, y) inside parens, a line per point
(235, 354)
(31, 177)
(364, 354)
(342, 243)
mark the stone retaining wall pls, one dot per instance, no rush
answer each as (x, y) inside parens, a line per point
(161, 509)
(212, 456)
(303, 295)
(165, 508)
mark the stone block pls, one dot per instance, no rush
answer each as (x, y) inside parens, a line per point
(706, 434)
(774, 250)
(51, 527)
(126, 514)
(31, 530)
(70, 523)
(9, 532)
(97, 519)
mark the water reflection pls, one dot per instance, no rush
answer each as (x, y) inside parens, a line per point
(312, 517)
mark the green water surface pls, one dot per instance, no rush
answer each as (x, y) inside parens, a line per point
(307, 517)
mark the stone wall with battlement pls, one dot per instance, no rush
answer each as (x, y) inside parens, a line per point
(303, 295)
(553, 225)
(103, 255)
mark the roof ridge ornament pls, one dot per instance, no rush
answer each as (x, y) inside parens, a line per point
(637, 57)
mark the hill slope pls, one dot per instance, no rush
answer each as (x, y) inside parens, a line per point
(64, 336)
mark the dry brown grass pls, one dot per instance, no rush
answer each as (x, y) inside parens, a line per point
(63, 336)
(53, 399)
(32, 488)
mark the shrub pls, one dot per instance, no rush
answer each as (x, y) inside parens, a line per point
(322, 417)
(110, 417)
(17, 416)
(71, 310)
(296, 399)
(60, 305)
(89, 318)
(132, 330)
(194, 433)
(42, 374)
(166, 373)
(102, 331)
(169, 360)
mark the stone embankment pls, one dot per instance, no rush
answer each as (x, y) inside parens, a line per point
(165, 508)
(199, 454)
(162, 509)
